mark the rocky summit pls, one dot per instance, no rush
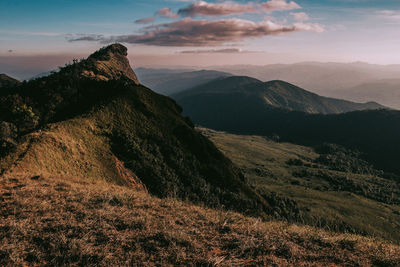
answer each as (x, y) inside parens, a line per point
(109, 63)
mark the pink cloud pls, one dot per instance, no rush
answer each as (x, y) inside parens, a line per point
(189, 32)
(218, 51)
(300, 16)
(279, 5)
(167, 12)
(145, 20)
(209, 9)
(229, 8)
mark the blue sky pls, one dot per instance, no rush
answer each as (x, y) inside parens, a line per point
(340, 30)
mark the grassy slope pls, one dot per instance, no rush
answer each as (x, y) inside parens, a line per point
(265, 165)
(54, 221)
(69, 148)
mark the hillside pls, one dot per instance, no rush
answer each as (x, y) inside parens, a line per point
(248, 91)
(329, 187)
(7, 81)
(66, 221)
(168, 82)
(92, 120)
(374, 133)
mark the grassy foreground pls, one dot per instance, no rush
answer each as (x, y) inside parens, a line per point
(67, 221)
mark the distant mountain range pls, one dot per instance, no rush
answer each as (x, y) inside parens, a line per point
(317, 77)
(168, 82)
(246, 91)
(360, 82)
(386, 91)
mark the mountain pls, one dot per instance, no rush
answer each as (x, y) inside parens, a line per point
(168, 82)
(7, 81)
(320, 78)
(93, 120)
(264, 95)
(385, 91)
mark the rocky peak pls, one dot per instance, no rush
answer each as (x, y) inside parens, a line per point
(109, 63)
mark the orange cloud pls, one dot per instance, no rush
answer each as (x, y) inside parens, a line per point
(189, 32)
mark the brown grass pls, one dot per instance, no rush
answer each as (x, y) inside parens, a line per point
(59, 221)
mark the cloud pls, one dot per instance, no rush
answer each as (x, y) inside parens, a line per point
(300, 16)
(209, 9)
(229, 8)
(145, 20)
(389, 14)
(167, 12)
(189, 32)
(84, 37)
(217, 51)
(309, 27)
(10, 51)
(279, 5)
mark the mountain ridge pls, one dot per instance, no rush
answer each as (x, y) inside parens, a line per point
(276, 93)
(169, 81)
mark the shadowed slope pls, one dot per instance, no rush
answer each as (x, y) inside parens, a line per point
(7, 81)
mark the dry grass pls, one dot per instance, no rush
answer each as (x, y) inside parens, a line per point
(57, 221)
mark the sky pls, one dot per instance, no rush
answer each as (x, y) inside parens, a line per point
(42, 34)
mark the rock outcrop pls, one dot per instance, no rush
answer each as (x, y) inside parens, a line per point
(109, 63)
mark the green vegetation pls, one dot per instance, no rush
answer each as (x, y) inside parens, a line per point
(320, 195)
